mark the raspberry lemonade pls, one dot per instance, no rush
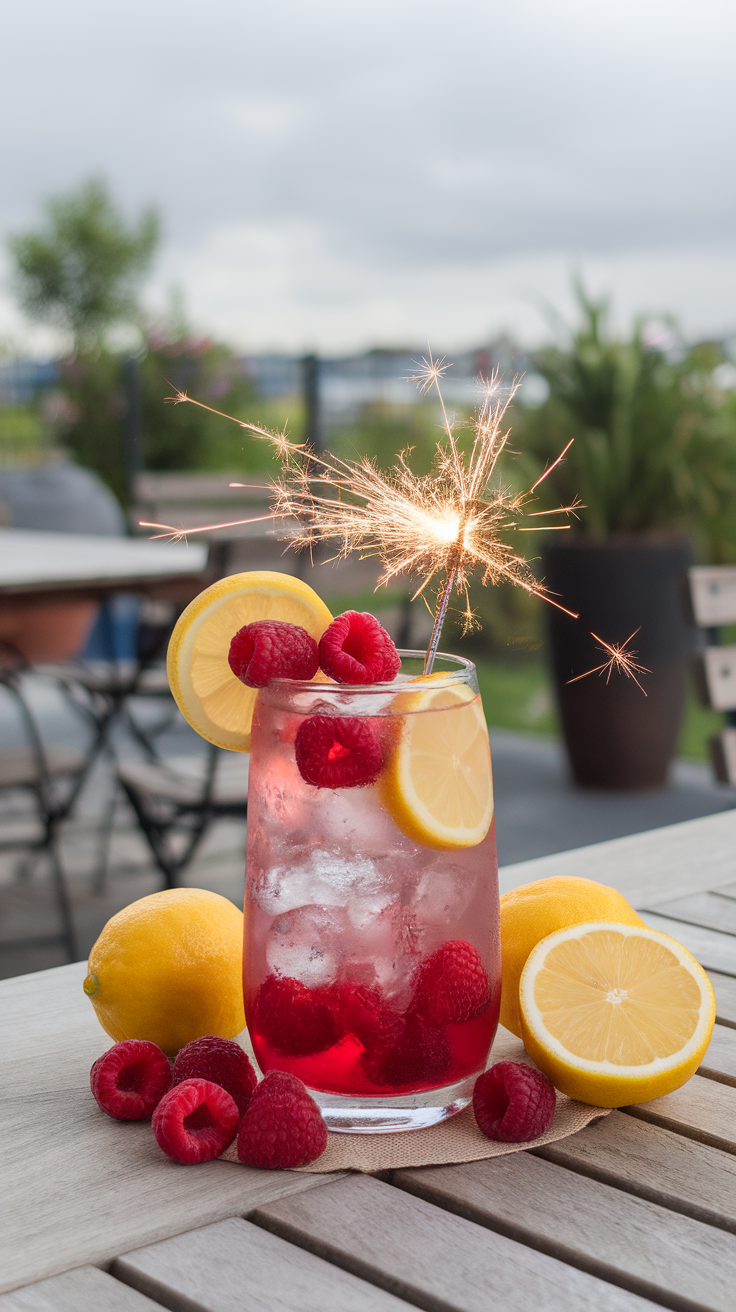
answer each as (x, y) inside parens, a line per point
(371, 956)
(372, 963)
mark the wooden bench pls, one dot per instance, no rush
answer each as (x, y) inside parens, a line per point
(192, 500)
(196, 500)
(713, 598)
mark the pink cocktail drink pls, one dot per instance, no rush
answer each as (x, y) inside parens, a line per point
(372, 959)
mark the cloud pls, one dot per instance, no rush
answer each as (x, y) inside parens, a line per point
(385, 160)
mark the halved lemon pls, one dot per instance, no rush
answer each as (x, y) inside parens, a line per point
(205, 689)
(437, 783)
(615, 1014)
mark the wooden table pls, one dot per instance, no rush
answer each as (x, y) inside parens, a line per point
(637, 1209)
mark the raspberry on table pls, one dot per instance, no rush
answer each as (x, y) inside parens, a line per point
(513, 1102)
(451, 985)
(272, 649)
(338, 751)
(355, 648)
(130, 1079)
(195, 1121)
(283, 1126)
(293, 1019)
(220, 1060)
(419, 1055)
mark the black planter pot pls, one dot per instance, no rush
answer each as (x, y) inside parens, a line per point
(616, 737)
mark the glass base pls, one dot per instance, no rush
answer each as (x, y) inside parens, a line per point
(409, 1111)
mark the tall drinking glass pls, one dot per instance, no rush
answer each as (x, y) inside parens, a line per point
(372, 966)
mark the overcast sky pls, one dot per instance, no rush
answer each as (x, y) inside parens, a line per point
(334, 174)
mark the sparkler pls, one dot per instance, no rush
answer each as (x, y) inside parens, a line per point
(619, 659)
(447, 523)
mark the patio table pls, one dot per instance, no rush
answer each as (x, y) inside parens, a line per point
(50, 584)
(636, 1210)
(49, 566)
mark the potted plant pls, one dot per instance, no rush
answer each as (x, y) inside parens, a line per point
(653, 464)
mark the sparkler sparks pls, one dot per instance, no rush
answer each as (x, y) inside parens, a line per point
(619, 659)
(447, 523)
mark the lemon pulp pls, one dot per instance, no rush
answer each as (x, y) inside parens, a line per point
(532, 911)
(437, 784)
(615, 1013)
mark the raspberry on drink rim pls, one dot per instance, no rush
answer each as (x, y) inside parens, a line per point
(355, 648)
(272, 649)
(203, 685)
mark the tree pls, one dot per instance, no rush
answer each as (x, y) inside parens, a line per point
(82, 270)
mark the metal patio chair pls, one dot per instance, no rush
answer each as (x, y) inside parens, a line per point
(52, 776)
(176, 801)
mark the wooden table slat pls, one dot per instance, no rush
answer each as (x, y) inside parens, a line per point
(235, 1265)
(709, 910)
(86, 1289)
(727, 890)
(84, 1187)
(643, 1247)
(725, 991)
(712, 949)
(692, 857)
(650, 1162)
(719, 1062)
(702, 1109)
(433, 1258)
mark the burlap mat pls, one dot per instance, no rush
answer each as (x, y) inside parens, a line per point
(456, 1140)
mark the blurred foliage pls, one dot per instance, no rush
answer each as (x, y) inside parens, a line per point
(174, 437)
(92, 429)
(81, 271)
(506, 619)
(382, 431)
(655, 438)
(21, 423)
(179, 437)
(25, 438)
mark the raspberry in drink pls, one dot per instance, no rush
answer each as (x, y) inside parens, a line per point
(372, 954)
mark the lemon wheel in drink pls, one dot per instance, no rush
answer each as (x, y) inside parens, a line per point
(204, 687)
(438, 785)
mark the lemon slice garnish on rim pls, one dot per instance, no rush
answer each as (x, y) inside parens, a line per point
(204, 687)
(437, 784)
(615, 1014)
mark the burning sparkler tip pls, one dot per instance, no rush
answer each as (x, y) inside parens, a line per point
(620, 659)
(430, 373)
(446, 523)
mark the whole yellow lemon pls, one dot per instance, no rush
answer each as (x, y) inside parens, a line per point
(169, 968)
(531, 912)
